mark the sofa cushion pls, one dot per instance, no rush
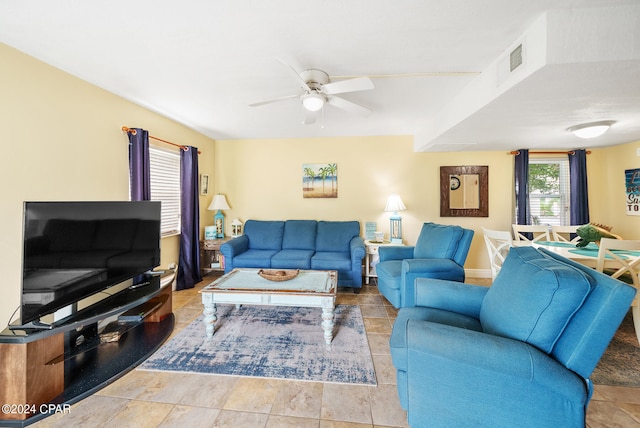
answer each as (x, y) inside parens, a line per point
(331, 260)
(437, 241)
(292, 259)
(533, 298)
(299, 235)
(264, 235)
(390, 272)
(336, 235)
(254, 259)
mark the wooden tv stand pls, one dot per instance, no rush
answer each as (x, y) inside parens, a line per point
(44, 372)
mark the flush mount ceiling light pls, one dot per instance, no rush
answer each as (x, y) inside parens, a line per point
(313, 101)
(591, 130)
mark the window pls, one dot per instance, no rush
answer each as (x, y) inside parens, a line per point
(165, 187)
(549, 191)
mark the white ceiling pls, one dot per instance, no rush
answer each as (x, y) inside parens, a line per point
(437, 65)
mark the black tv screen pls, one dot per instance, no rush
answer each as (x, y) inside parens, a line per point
(72, 250)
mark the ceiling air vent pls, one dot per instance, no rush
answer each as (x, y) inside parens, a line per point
(515, 58)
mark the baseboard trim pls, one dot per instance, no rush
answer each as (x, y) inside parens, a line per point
(477, 273)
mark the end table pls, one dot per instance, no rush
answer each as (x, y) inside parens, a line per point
(371, 257)
(211, 260)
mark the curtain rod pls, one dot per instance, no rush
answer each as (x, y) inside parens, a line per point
(570, 152)
(133, 131)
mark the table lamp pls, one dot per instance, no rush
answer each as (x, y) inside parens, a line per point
(219, 203)
(394, 204)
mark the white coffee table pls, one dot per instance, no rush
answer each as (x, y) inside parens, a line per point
(310, 288)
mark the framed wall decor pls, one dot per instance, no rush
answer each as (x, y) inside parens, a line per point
(464, 191)
(204, 184)
(320, 180)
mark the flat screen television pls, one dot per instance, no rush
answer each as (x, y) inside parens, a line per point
(72, 250)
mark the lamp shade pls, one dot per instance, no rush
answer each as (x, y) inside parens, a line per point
(394, 203)
(219, 203)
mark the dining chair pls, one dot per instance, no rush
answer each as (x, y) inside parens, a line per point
(498, 243)
(538, 232)
(563, 233)
(612, 259)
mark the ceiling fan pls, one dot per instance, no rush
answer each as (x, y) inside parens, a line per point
(318, 90)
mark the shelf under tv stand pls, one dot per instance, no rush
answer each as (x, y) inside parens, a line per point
(58, 371)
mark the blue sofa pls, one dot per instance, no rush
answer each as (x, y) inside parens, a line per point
(518, 353)
(299, 244)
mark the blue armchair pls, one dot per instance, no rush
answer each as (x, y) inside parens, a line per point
(518, 353)
(440, 252)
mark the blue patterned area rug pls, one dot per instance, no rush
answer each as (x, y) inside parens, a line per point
(620, 363)
(272, 342)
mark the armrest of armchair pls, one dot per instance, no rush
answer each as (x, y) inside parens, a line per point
(450, 296)
(395, 253)
(440, 356)
(413, 269)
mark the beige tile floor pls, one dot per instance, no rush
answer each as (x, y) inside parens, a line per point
(149, 399)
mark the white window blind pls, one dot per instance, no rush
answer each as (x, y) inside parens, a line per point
(165, 187)
(549, 194)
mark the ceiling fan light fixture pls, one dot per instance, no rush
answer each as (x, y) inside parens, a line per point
(592, 129)
(313, 101)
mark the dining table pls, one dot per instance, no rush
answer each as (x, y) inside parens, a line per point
(587, 255)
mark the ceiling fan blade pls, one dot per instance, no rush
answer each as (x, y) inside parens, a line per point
(343, 104)
(300, 80)
(309, 117)
(274, 100)
(351, 85)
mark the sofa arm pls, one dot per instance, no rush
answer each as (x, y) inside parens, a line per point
(356, 247)
(394, 253)
(452, 296)
(233, 248)
(482, 378)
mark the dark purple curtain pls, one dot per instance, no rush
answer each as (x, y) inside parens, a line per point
(523, 209)
(139, 175)
(579, 203)
(189, 266)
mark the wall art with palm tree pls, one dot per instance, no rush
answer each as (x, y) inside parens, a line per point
(320, 180)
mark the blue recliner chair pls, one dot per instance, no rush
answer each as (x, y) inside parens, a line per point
(518, 353)
(440, 252)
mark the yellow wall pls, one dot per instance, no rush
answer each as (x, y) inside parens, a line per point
(607, 197)
(61, 140)
(262, 179)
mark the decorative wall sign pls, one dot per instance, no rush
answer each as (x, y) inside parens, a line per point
(632, 183)
(320, 180)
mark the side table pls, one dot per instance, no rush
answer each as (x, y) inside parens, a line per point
(211, 259)
(371, 257)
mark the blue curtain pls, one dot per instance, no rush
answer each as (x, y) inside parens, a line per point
(189, 266)
(140, 177)
(579, 203)
(523, 209)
